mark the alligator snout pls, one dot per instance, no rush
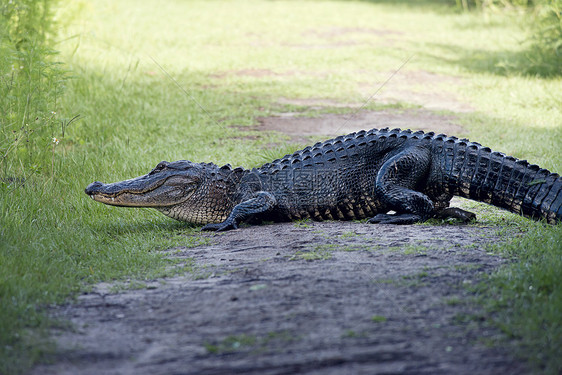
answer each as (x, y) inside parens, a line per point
(93, 188)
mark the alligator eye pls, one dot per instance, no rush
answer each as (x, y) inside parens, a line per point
(159, 167)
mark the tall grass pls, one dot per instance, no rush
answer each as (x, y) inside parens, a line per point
(28, 21)
(31, 87)
(545, 53)
(544, 25)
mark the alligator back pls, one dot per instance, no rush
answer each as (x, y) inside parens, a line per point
(335, 179)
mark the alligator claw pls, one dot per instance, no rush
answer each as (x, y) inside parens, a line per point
(219, 227)
(395, 219)
(456, 213)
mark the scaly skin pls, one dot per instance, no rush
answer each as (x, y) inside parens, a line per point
(357, 176)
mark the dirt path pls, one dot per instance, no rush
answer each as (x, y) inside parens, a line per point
(331, 125)
(313, 298)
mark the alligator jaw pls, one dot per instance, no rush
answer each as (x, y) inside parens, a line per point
(117, 200)
(136, 192)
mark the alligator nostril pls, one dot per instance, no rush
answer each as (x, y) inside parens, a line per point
(93, 187)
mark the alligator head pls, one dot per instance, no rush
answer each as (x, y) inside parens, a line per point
(182, 189)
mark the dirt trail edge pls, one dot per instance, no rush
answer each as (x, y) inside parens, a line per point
(307, 298)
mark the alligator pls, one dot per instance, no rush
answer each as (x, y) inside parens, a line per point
(386, 176)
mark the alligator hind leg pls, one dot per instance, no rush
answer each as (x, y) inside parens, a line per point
(395, 184)
(455, 213)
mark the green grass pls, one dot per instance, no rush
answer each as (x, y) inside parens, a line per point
(317, 252)
(379, 318)
(527, 296)
(236, 60)
(251, 343)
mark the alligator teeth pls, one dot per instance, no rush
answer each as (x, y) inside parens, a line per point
(91, 196)
(112, 199)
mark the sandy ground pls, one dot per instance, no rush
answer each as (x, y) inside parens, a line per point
(312, 298)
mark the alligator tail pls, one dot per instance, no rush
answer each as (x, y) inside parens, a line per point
(478, 173)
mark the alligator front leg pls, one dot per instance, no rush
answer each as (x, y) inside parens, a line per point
(395, 184)
(260, 202)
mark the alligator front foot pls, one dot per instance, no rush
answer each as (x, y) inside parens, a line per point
(395, 219)
(219, 227)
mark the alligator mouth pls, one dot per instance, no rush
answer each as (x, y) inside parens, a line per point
(115, 199)
(114, 195)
